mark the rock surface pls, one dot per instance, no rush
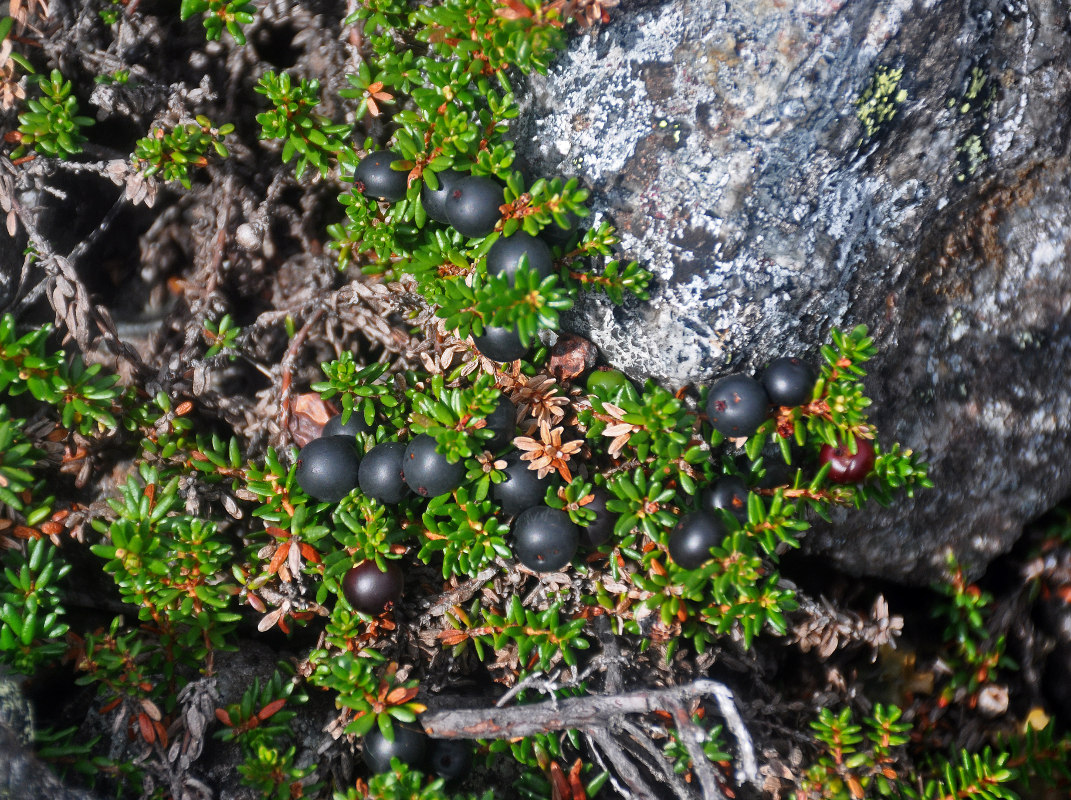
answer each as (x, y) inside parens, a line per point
(723, 140)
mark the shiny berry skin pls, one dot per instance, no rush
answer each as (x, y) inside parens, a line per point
(544, 538)
(846, 467)
(601, 528)
(327, 468)
(737, 405)
(369, 589)
(472, 206)
(450, 758)
(503, 421)
(522, 488)
(690, 541)
(409, 746)
(354, 425)
(380, 475)
(379, 180)
(500, 344)
(504, 257)
(434, 200)
(789, 381)
(427, 472)
(728, 493)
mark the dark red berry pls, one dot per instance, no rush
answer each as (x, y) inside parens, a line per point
(380, 475)
(728, 493)
(846, 467)
(522, 488)
(544, 538)
(599, 530)
(450, 758)
(500, 344)
(472, 206)
(327, 468)
(354, 425)
(369, 589)
(503, 421)
(690, 541)
(409, 746)
(504, 257)
(789, 381)
(434, 200)
(379, 180)
(737, 405)
(427, 471)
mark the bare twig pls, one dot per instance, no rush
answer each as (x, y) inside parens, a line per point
(749, 768)
(595, 711)
(693, 738)
(624, 765)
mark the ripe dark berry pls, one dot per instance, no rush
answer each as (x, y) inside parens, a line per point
(503, 421)
(500, 344)
(450, 758)
(554, 234)
(472, 206)
(409, 746)
(690, 541)
(846, 467)
(544, 538)
(522, 489)
(434, 200)
(379, 180)
(728, 493)
(380, 475)
(602, 527)
(354, 425)
(788, 381)
(504, 257)
(427, 472)
(367, 588)
(327, 468)
(737, 405)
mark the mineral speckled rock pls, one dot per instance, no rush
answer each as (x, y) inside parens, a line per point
(723, 141)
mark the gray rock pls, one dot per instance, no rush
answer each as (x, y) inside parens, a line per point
(723, 141)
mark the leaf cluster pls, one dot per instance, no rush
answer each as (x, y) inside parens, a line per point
(172, 153)
(52, 126)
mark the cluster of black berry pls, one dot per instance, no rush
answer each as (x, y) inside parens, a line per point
(471, 205)
(737, 406)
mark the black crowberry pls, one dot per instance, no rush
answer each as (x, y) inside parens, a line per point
(409, 746)
(737, 405)
(500, 344)
(544, 538)
(380, 475)
(450, 758)
(555, 234)
(690, 542)
(472, 206)
(327, 468)
(354, 425)
(728, 493)
(504, 257)
(369, 589)
(788, 381)
(601, 528)
(521, 489)
(503, 421)
(379, 180)
(845, 466)
(427, 472)
(434, 200)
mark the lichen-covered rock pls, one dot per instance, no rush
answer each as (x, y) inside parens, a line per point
(729, 144)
